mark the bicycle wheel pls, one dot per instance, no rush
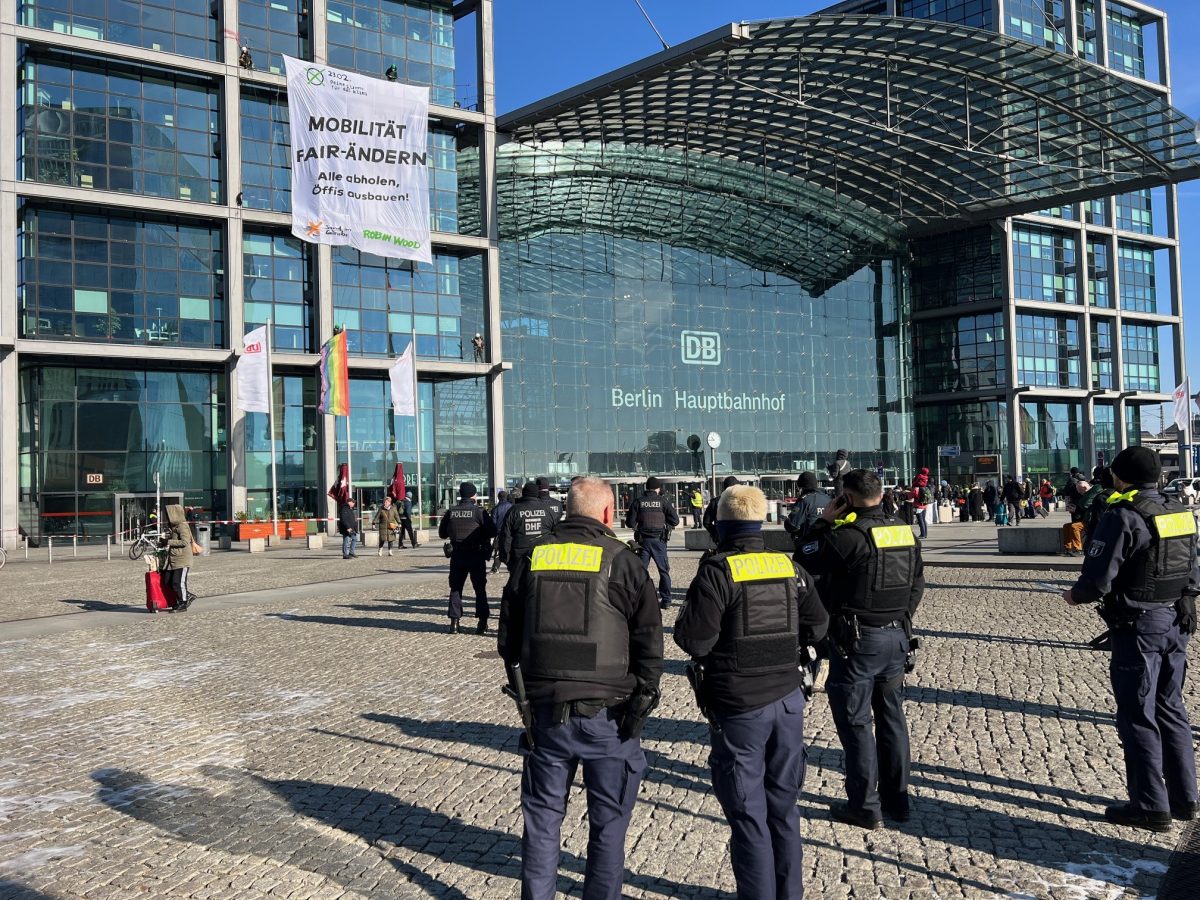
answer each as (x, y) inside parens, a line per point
(139, 548)
(3, 557)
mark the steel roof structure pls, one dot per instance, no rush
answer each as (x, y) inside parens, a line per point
(836, 136)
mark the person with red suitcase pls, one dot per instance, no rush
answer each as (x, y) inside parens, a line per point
(168, 588)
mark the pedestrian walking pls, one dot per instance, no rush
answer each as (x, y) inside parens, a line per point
(1012, 500)
(581, 638)
(181, 551)
(1141, 568)
(868, 570)
(922, 496)
(469, 531)
(652, 516)
(387, 521)
(752, 692)
(348, 529)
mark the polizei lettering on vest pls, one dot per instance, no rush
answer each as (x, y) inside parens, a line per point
(760, 567)
(566, 558)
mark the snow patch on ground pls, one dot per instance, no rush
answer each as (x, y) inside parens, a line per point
(12, 804)
(35, 859)
(1101, 878)
(290, 703)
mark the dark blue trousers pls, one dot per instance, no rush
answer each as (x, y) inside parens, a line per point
(758, 771)
(612, 772)
(1149, 662)
(871, 680)
(463, 564)
(656, 549)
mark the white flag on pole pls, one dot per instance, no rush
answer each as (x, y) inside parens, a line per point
(1181, 405)
(254, 373)
(404, 401)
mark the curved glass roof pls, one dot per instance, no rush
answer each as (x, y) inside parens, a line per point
(896, 126)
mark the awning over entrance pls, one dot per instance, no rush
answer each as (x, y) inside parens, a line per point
(859, 128)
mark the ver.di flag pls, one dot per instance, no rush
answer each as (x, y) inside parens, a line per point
(1181, 405)
(254, 373)
(360, 161)
(404, 401)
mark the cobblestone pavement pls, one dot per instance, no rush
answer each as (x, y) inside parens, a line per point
(348, 747)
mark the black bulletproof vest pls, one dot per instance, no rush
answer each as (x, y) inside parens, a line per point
(531, 520)
(763, 635)
(464, 526)
(651, 519)
(572, 630)
(1158, 574)
(884, 585)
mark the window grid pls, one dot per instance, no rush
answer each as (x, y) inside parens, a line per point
(186, 27)
(277, 279)
(380, 302)
(1085, 29)
(416, 37)
(1040, 22)
(960, 354)
(118, 279)
(1048, 351)
(109, 127)
(1103, 346)
(1138, 281)
(1096, 212)
(272, 29)
(977, 13)
(1139, 351)
(1099, 274)
(1126, 42)
(1044, 266)
(1135, 212)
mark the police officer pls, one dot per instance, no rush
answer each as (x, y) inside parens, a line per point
(710, 511)
(469, 529)
(591, 656)
(527, 522)
(652, 516)
(808, 506)
(748, 613)
(869, 574)
(1141, 567)
(543, 485)
(503, 505)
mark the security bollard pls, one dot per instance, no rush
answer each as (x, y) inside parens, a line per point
(108, 546)
(50, 549)
(75, 546)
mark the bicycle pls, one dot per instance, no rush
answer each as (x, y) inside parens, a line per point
(3, 557)
(145, 544)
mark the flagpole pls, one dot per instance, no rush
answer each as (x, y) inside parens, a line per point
(417, 422)
(349, 463)
(271, 430)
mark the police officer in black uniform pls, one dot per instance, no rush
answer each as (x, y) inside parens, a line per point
(1141, 567)
(470, 530)
(747, 616)
(869, 573)
(710, 512)
(543, 486)
(652, 516)
(578, 618)
(527, 522)
(811, 502)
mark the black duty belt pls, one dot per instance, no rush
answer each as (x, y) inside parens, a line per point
(895, 623)
(585, 709)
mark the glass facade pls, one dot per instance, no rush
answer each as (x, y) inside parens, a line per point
(297, 451)
(380, 302)
(1051, 438)
(1049, 353)
(1103, 354)
(623, 348)
(1044, 265)
(1104, 430)
(186, 27)
(416, 37)
(977, 13)
(1135, 212)
(1139, 357)
(1126, 43)
(277, 285)
(120, 279)
(272, 28)
(966, 353)
(117, 427)
(958, 268)
(979, 428)
(1138, 284)
(1099, 273)
(1085, 30)
(1041, 22)
(111, 127)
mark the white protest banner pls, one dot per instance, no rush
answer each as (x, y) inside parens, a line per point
(404, 399)
(1181, 405)
(360, 162)
(254, 373)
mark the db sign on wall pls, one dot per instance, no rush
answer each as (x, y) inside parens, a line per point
(93, 478)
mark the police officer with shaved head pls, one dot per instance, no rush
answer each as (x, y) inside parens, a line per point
(869, 574)
(747, 616)
(581, 637)
(1141, 567)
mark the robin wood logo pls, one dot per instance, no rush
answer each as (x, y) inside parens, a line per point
(701, 348)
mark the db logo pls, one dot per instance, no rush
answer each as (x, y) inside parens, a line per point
(701, 348)
(256, 347)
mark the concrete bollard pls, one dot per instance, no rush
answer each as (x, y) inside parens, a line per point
(273, 540)
(258, 545)
(226, 542)
(370, 539)
(316, 541)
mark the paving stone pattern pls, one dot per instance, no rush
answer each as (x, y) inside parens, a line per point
(347, 747)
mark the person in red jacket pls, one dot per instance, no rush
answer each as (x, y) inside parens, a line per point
(922, 496)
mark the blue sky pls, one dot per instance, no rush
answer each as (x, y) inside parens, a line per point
(543, 46)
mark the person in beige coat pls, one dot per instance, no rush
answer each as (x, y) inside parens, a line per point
(387, 520)
(181, 550)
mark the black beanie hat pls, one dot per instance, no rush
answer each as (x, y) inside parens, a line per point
(543, 483)
(842, 454)
(807, 481)
(729, 482)
(1137, 465)
(466, 489)
(653, 484)
(530, 490)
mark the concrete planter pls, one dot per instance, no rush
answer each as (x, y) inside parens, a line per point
(258, 545)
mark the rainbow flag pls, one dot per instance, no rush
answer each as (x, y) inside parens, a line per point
(335, 377)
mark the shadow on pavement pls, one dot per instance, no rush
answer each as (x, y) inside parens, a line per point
(978, 700)
(412, 625)
(11, 890)
(1001, 639)
(105, 606)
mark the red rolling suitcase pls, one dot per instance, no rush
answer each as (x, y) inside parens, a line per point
(158, 595)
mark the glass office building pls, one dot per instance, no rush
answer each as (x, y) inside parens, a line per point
(145, 211)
